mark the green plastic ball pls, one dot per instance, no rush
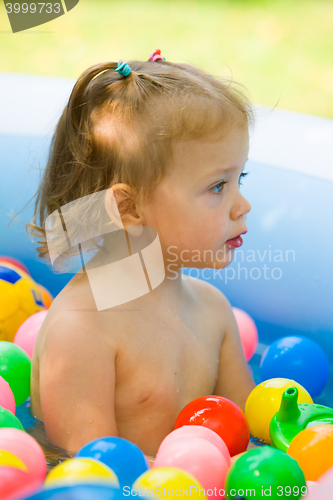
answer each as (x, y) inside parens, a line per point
(263, 473)
(15, 368)
(7, 419)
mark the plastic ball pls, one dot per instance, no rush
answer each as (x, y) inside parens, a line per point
(248, 332)
(10, 460)
(16, 483)
(81, 470)
(264, 401)
(267, 472)
(169, 479)
(7, 419)
(46, 296)
(26, 335)
(80, 492)
(6, 259)
(198, 457)
(7, 399)
(20, 297)
(220, 415)
(117, 453)
(15, 368)
(291, 357)
(197, 431)
(26, 448)
(312, 448)
(310, 486)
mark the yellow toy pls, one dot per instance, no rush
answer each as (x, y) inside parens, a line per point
(20, 297)
(81, 470)
(265, 400)
(164, 479)
(46, 296)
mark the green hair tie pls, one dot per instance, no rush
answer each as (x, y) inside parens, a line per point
(123, 68)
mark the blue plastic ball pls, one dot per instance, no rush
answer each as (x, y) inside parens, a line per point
(297, 358)
(123, 457)
(79, 492)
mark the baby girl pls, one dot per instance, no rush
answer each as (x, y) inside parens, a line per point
(164, 146)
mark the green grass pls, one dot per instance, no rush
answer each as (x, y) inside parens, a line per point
(281, 50)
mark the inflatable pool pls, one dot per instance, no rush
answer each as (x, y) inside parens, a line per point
(282, 275)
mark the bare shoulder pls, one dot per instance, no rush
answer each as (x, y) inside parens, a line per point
(214, 303)
(72, 315)
(209, 294)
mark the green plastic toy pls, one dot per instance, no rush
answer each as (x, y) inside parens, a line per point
(7, 419)
(293, 417)
(265, 473)
(15, 368)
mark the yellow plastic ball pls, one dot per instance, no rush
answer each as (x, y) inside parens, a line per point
(81, 470)
(20, 297)
(169, 482)
(264, 401)
(7, 459)
(46, 296)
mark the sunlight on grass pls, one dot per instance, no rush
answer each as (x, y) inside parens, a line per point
(282, 51)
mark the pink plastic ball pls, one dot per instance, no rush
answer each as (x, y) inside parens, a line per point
(7, 399)
(26, 335)
(198, 457)
(248, 332)
(26, 448)
(311, 487)
(197, 431)
(16, 483)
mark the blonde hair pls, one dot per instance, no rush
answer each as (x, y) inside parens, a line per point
(141, 115)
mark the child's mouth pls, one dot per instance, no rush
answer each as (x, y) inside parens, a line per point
(235, 242)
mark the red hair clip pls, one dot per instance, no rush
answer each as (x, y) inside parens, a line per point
(156, 56)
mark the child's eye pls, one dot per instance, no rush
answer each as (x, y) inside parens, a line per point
(243, 174)
(220, 184)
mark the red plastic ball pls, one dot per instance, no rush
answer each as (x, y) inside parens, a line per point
(222, 416)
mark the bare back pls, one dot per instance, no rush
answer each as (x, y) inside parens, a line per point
(166, 357)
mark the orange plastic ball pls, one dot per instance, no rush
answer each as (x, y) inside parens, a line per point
(312, 448)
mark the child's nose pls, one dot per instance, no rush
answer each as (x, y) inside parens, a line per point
(241, 207)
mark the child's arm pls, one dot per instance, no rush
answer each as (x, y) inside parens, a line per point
(235, 380)
(77, 381)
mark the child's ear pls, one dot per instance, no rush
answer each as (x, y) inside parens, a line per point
(120, 206)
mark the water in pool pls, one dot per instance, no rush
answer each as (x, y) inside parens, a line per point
(36, 429)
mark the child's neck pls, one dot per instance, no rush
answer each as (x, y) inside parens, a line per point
(113, 262)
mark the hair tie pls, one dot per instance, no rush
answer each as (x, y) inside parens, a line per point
(123, 68)
(156, 56)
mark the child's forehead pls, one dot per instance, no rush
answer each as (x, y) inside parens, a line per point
(221, 143)
(200, 158)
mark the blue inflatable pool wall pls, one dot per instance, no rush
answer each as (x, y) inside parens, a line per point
(282, 275)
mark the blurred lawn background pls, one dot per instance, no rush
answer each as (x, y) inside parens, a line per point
(281, 50)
